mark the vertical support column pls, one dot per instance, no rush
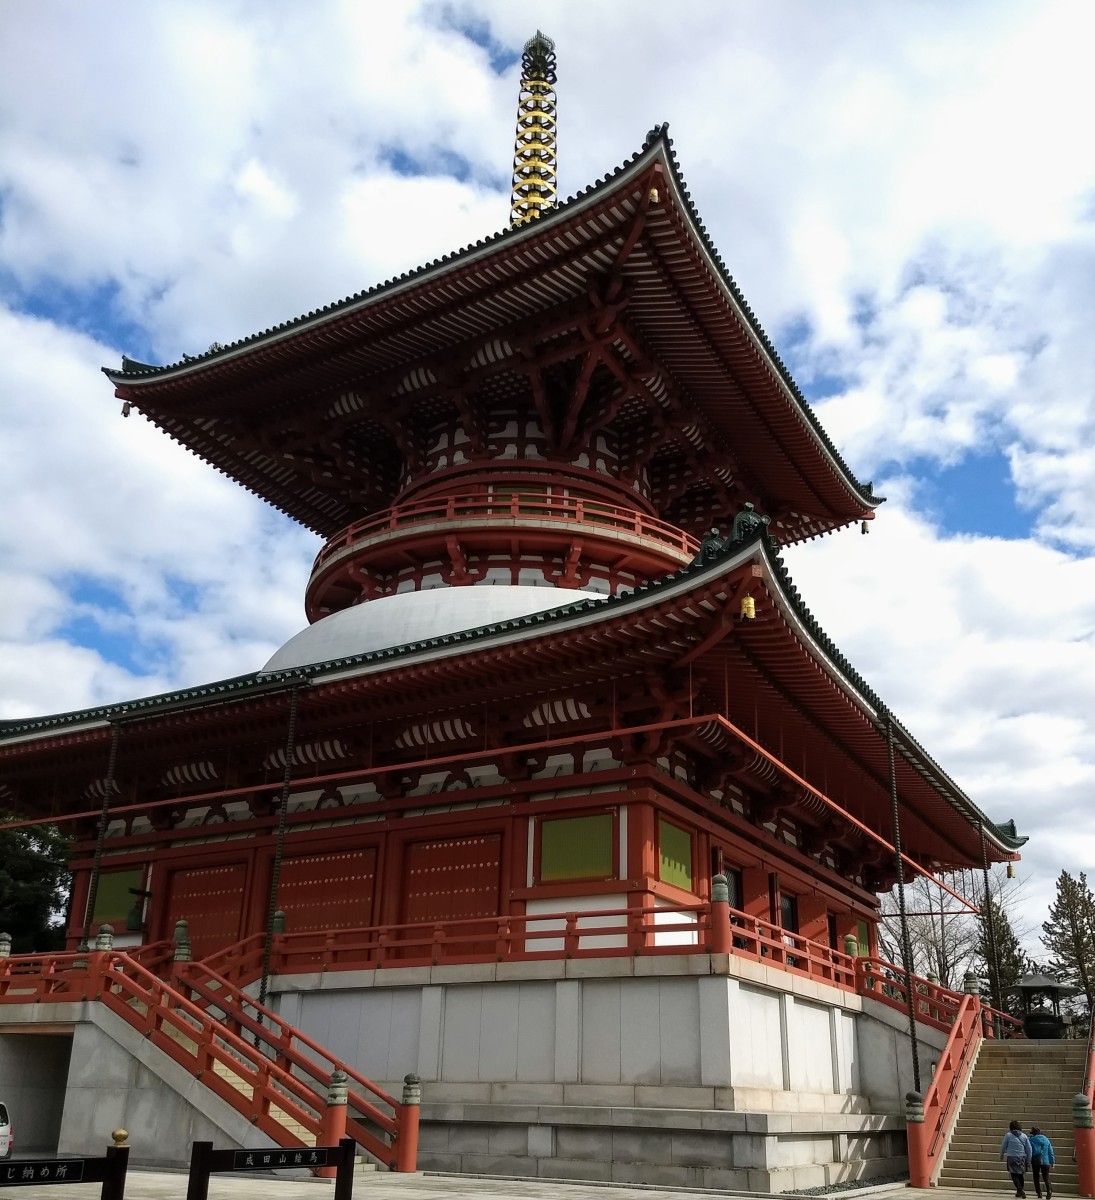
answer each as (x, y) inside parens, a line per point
(333, 1128)
(407, 1149)
(917, 1135)
(1084, 1135)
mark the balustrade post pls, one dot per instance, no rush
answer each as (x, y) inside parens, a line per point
(916, 1133)
(278, 924)
(406, 1154)
(104, 940)
(333, 1127)
(5, 945)
(1084, 1140)
(721, 939)
(851, 945)
(570, 937)
(182, 942)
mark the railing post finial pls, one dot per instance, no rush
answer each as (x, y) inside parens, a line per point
(5, 945)
(104, 939)
(182, 941)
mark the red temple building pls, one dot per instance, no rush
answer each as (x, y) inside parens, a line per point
(555, 679)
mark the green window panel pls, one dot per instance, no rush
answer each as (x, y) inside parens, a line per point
(675, 851)
(863, 936)
(113, 899)
(577, 848)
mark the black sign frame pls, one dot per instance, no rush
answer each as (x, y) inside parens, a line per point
(205, 1161)
(110, 1171)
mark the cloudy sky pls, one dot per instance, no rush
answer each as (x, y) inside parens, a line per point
(905, 193)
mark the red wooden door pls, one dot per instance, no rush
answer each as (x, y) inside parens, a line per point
(210, 899)
(454, 879)
(332, 890)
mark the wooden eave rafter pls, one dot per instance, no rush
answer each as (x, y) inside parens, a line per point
(682, 301)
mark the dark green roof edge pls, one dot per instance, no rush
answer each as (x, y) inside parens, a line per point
(133, 371)
(241, 686)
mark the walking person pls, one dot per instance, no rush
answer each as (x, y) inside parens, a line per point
(1015, 1148)
(1041, 1159)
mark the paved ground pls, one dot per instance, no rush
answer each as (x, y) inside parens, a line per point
(163, 1185)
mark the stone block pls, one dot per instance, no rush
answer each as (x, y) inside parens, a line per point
(541, 1141)
(657, 1175)
(671, 964)
(432, 1137)
(508, 1139)
(444, 1092)
(526, 1093)
(674, 1097)
(656, 1118)
(401, 976)
(574, 1168)
(469, 1138)
(725, 1122)
(711, 1149)
(462, 973)
(599, 968)
(436, 1160)
(599, 1095)
(583, 1143)
(641, 1146)
(719, 1179)
(547, 968)
(499, 1164)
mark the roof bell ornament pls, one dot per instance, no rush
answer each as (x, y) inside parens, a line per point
(748, 609)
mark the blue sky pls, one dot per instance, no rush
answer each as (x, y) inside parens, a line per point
(918, 239)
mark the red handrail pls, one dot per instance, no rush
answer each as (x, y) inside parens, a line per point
(510, 506)
(278, 1076)
(926, 1142)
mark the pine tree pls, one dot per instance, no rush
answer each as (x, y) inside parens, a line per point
(34, 882)
(1069, 934)
(1011, 962)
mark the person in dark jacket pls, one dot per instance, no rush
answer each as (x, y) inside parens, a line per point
(1015, 1148)
(1041, 1159)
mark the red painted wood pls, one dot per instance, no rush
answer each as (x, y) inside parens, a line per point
(330, 890)
(452, 878)
(210, 899)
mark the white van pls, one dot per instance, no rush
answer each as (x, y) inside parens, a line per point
(7, 1138)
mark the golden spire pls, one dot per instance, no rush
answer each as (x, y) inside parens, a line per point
(534, 153)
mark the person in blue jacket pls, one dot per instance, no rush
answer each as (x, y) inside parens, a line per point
(1041, 1159)
(1016, 1149)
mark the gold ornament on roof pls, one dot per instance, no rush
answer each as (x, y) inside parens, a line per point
(534, 186)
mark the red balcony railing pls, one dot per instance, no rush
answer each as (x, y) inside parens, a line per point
(512, 509)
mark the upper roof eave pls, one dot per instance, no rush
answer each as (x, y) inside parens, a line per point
(658, 148)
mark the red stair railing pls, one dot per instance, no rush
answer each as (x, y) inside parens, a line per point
(268, 1076)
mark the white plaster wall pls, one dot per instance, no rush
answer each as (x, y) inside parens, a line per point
(756, 1046)
(809, 1046)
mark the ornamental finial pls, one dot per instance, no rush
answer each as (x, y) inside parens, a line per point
(534, 153)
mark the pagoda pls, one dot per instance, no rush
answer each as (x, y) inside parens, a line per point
(555, 680)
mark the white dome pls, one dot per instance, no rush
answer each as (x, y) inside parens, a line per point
(415, 617)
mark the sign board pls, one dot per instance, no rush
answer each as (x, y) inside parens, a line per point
(46, 1170)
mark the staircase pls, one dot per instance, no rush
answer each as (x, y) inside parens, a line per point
(1031, 1082)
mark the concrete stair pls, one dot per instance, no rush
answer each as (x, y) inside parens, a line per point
(1031, 1082)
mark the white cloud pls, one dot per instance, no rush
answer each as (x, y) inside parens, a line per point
(905, 182)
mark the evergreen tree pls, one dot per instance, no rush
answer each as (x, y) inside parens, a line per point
(1012, 963)
(1069, 934)
(34, 883)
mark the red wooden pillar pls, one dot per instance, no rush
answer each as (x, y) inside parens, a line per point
(1084, 1136)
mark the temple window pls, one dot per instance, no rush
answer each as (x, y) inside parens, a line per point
(578, 848)
(788, 913)
(674, 855)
